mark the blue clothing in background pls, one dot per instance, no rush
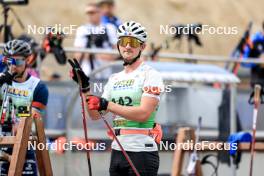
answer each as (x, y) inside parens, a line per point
(112, 20)
(258, 48)
(2, 65)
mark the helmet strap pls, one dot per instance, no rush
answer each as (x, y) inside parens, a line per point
(133, 60)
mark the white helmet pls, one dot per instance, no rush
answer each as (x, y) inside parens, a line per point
(132, 29)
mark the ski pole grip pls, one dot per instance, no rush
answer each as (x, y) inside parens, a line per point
(79, 78)
(257, 90)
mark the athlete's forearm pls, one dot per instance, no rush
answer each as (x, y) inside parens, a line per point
(138, 113)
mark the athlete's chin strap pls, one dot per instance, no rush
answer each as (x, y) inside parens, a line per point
(132, 61)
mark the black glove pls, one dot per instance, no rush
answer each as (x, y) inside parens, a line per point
(6, 77)
(77, 70)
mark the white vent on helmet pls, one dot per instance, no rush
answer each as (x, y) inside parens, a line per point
(132, 29)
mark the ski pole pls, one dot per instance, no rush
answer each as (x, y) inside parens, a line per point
(121, 147)
(4, 104)
(256, 100)
(84, 124)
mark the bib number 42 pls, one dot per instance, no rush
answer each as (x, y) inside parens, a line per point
(124, 101)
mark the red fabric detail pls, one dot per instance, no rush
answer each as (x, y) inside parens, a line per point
(156, 132)
(38, 105)
(93, 103)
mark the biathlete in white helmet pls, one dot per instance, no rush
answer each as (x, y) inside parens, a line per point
(133, 96)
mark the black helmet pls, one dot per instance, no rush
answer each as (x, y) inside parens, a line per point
(17, 48)
(30, 40)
